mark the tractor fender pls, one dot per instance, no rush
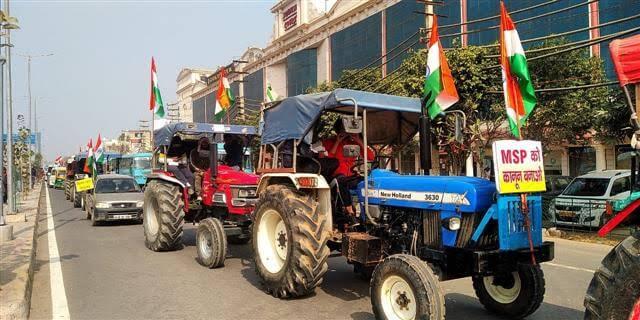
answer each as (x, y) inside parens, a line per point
(619, 218)
(165, 177)
(321, 189)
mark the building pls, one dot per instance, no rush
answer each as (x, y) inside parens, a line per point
(131, 141)
(189, 81)
(314, 41)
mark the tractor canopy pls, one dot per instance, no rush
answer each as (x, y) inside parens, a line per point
(390, 119)
(184, 136)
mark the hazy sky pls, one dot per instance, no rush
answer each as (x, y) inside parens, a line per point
(97, 81)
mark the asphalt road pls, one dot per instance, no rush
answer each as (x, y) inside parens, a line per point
(108, 273)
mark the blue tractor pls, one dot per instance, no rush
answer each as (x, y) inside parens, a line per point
(404, 232)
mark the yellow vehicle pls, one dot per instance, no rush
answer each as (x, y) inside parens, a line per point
(58, 177)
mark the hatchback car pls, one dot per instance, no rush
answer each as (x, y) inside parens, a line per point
(115, 197)
(583, 201)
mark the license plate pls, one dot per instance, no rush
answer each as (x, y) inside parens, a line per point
(566, 214)
(122, 216)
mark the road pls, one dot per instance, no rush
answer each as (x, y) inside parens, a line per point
(108, 273)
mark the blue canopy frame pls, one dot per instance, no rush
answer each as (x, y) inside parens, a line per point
(163, 136)
(391, 119)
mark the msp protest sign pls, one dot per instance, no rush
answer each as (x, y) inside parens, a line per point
(519, 167)
(84, 184)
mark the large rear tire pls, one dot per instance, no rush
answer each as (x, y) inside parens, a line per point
(404, 287)
(514, 295)
(163, 216)
(211, 243)
(290, 242)
(615, 287)
(76, 198)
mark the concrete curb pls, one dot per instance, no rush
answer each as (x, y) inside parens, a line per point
(16, 295)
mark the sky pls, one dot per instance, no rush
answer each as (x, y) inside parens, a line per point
(98, 78)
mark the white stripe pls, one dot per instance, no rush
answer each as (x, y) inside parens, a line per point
(59, 306)
(569, 267)
(433, 59)
(512, 43)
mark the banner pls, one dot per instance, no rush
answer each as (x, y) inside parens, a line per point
(519, 167)
(84, 184)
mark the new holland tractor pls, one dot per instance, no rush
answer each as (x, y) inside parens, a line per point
(614, 291)
(220, 199)
(407, 232)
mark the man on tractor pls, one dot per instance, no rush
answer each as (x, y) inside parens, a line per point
(411, 230)
(221, 200)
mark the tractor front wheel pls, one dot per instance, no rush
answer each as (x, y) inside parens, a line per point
(290, 242)
(163, 216)
(405, 287)
(77, 199)
(211, 243)
(514, 295)
(614, 291)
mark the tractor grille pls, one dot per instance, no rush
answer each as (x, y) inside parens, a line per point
(467, 227)
(431, 226)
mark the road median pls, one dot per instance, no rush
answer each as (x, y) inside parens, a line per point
(17, 257)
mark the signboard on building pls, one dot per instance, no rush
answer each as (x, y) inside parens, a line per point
(519, 166)
(31, 139)
(290, 17)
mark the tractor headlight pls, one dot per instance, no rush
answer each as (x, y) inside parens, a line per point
(102, 205)
(452, 223)
(139, 204)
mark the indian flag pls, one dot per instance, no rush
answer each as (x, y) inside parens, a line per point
(224, 97)
(519, 96)
(99, 150)
(438, 81)
(88, 163)
(155, 102)
(271, 94)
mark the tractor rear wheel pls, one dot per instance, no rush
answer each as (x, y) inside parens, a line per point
(211, 243)
(290, 242)
(614, 291)
(77, 202)
(163, 216)
(405, 287)
(514, 295)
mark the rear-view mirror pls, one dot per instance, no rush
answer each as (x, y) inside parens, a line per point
(351, 151)
(351, 124)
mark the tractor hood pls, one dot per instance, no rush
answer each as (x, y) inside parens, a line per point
(468, 194)
(227, 175)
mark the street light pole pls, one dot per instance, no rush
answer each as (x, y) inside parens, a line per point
(11, 201)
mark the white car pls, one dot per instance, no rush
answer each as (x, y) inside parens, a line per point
(583, 202)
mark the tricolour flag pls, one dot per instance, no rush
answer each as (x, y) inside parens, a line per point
(271, 94)
(519, 96)
(99, 150)
(88, 163)
(224, 96)
(155, 101)
(438, 80)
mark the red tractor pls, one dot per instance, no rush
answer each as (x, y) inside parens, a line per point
(220, 197)
(614, 291)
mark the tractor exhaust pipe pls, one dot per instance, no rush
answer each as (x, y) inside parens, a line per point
(213, 161)
(424, 131)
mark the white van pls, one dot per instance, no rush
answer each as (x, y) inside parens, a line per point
(583, 202)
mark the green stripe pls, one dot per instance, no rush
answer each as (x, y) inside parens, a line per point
(518, 64)
(220, 115)
(159, 104)
(433, 86)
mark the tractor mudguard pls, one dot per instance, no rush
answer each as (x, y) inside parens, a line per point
(166, 176)
(618, 218)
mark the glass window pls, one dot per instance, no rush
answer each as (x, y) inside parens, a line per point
(561, 22)
(356, 46)
(561, 183)
(623, 164)
(401, 23)
(611, 10)
(142, 163)
(553, 163)
(587, 187)
(117, 186)
(581, 160)
(620, 185)
(254, 90)
(302, 71)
